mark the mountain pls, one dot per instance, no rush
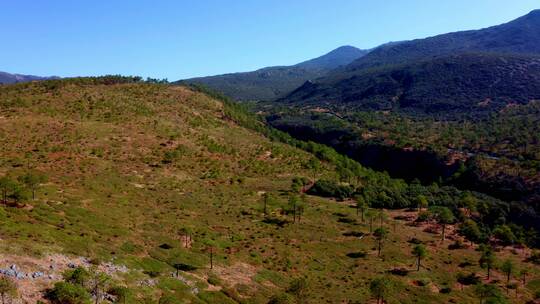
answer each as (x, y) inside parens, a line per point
(457, 109)
(6, 78)
(273, 82)
(520, 36)
(169, 195)
(400, 72)
(456, 84)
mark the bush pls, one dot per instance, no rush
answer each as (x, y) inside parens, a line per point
(327, 188)
(68, 293)
(78, 276)
(423, 216)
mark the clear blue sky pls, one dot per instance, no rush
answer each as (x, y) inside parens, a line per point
(185, 38)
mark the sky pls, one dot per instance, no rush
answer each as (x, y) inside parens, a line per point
(178, 39)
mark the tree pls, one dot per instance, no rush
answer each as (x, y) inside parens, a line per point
(505, 235)
(507, 267)
(211, 248)
(99, 282)
(381, 216)
(361, 206)
(524, 273)
(487, 260)
(444, 217)
(421, 202)
(488, 293)
(420, 252)
(32, 180)
(469, 229)
(7, 186)
(380, 234)
(8, 289)
(469, 202)
(266, 200)
(370, 215)
(380, 288)
(185, 232)
(298, 184)
(293, 203)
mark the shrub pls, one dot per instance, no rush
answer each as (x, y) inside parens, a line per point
(327, 188)
(423, 216)
(68, 293)
(78, 276)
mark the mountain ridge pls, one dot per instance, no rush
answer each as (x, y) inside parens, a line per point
(8, 78)
(272, 82)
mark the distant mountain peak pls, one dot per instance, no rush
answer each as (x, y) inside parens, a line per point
(341, 56)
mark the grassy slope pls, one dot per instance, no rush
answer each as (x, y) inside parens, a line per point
(110, 194)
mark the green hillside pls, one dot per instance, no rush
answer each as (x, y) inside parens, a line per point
(180, 196)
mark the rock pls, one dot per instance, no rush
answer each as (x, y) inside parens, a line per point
(37, 274)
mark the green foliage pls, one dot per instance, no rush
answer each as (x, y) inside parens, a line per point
(122, 294)
(68, 293)
(489, 293)
(508, 268)
(469, 229)
(487, 259)
(78, 276)
(327, 188)
(8, 288)
(505, 235)
(381, 288)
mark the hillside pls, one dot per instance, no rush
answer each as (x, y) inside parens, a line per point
(520, 36)
(470, 68)
(272, 82)
(182, 197)
(6, 78)
(457, 85)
